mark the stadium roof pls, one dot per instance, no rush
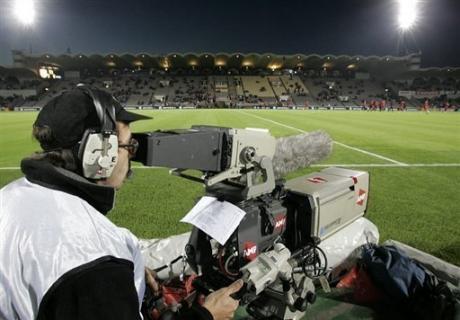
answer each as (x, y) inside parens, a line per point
(401, 67)
(222, 60)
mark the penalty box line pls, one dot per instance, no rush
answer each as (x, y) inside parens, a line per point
(375, 155)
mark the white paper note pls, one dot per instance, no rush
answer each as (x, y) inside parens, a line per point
(216, 218)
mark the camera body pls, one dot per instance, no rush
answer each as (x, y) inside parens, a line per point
(236, 166)
(297, 213)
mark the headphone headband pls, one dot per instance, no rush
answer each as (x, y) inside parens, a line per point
(103, 110)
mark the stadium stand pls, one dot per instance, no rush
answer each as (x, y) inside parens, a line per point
(296, 89)
(219, 90)
(257, 90)
(311, 81)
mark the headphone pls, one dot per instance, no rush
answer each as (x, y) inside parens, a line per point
(98, 150)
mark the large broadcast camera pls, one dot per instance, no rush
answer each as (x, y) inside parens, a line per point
(275, 246)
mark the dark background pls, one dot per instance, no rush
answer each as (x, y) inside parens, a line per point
(365, 27)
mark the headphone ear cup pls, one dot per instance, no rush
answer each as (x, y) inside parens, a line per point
(98, 150)
(84, 140)
(99, 155)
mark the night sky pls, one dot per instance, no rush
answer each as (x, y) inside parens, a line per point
(364, 27)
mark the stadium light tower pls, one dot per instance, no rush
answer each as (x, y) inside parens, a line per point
(24, 11)
(407, 16)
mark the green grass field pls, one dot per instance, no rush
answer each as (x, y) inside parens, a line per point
(414, 164)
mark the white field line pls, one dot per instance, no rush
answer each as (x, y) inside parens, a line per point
(356, 165)
(374, 165)
(336, 142)
(388, 165)
(370, 153)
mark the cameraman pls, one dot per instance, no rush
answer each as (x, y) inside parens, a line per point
(60, 257)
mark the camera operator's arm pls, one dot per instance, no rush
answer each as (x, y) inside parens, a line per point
(220, 304)
(101, 289)
(150, 281)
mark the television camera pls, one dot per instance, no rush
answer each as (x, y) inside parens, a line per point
(275, 246)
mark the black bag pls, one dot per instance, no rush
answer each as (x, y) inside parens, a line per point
(408, 285)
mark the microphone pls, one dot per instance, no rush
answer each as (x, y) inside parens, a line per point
(300, 151)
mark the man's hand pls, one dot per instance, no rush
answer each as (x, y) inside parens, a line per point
(151, 282)
(220, 304)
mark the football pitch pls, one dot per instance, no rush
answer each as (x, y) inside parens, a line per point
(413, 159)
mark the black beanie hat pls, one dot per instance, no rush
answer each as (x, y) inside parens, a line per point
(71, 113)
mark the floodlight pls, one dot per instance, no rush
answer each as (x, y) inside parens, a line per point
(25, 11)
(407, 14)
